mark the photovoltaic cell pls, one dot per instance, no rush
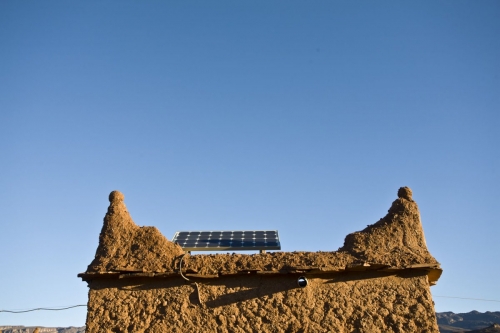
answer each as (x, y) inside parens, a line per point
(228, 240)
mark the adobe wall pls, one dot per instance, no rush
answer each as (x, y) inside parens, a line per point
(379, 281)
(343, 303)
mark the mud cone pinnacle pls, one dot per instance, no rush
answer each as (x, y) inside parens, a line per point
(396, 240)
(125, 246)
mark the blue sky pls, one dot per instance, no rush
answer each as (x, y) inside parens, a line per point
(300, 117)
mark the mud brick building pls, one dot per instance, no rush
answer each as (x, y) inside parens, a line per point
(377, 282)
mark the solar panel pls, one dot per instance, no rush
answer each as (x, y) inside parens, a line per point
(228, 240)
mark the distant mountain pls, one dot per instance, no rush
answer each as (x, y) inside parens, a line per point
(495, 328)
(472, 322)
(31, 329)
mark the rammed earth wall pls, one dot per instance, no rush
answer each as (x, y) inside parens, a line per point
(354, 289)
(343, 303)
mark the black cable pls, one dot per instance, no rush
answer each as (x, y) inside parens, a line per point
(185, 278)
(46, 309)
(475, 299)
(180, 266)
(75, 306)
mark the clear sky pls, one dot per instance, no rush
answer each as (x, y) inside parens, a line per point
(305, 117)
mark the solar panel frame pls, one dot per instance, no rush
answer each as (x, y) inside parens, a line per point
(222, 240)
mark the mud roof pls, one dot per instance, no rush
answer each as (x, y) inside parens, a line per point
(395, 243)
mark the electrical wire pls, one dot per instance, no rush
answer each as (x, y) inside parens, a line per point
(185, 278)
(474, 299)
(180, 266)
(45, 309)
(198, 292)
(75, 306)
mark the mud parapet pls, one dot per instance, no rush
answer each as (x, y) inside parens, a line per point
(379, 281)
